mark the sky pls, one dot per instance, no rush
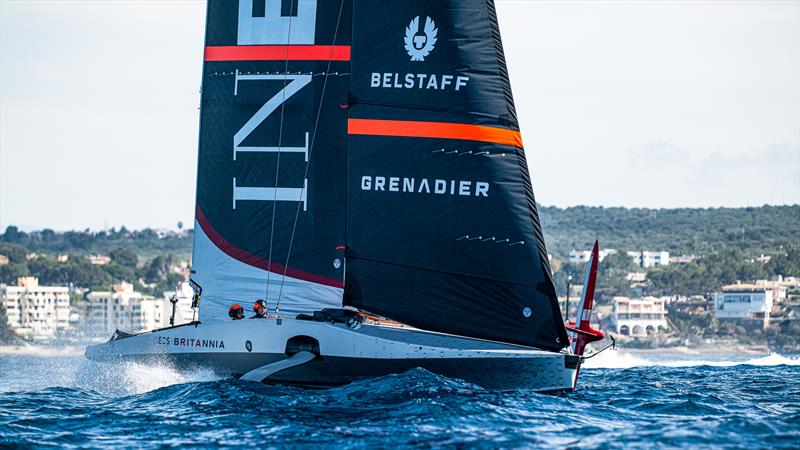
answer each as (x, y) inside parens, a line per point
(636, 104)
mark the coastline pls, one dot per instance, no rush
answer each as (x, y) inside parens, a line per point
(704, 350)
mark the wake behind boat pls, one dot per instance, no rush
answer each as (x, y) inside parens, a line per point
(363, 172)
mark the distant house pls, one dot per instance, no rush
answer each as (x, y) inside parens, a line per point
(745, 302)
(793, 302)
(124, 309)
(33, 311)
(648, 259)
(99, 260)
(582, 256)
(639, 317)
(682, 259)
(118, 309)
(183, 308)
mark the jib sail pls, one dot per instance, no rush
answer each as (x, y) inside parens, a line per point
(442, 227)
(271, 171)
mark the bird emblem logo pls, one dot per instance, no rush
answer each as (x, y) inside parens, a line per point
(420, 43)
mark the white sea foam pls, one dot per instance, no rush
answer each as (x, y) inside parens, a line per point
(127, 378)
(32, 368)
(620, 359)
(139, 378)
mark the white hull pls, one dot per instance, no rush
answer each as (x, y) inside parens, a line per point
(342, 354)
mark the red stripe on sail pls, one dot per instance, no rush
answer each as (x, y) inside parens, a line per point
(257, 261)
(278, 53)
(441, 130)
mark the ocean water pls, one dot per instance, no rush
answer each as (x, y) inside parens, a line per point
(59, 399)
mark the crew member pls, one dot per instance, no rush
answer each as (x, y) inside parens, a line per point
(260, 308)
(236, 312)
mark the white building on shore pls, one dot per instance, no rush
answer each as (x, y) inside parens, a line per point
(183, 308)
(639, 317)
(648, 259)
(748, 302)
(36, 312)
(583, 256)
(118, 309)
(124, 309)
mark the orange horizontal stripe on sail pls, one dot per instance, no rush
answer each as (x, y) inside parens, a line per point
(441, 130)
(278, 53)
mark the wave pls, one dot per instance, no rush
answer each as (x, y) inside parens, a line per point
(623, 360)
(128, 378)
(110, 379)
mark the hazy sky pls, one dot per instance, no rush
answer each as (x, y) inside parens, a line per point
(657, 104)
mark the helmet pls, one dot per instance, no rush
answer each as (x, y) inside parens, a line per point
(259, 304)
(236, 311)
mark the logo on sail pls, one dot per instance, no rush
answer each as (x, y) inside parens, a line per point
(419, 43)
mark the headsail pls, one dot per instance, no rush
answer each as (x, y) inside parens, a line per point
(442, 227)
(269, 214)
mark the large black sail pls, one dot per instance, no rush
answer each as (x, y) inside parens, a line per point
(442, 227)
(271, 171)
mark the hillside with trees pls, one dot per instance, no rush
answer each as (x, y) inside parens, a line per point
(150, 276)
(766, 229)
(726, 242)
(145, 243)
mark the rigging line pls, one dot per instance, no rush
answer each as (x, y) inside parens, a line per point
(310, 149)
(278, 164)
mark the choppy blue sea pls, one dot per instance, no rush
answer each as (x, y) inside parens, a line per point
(52, 400)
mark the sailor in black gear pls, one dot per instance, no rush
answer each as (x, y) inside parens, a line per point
(236, 312)
(260, 308)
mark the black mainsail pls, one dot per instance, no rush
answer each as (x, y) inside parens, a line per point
(382, 134)
(442, 227)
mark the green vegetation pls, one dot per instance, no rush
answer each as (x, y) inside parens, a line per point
(683, 231)
(726, 244)
(705, 275)
(151, 277)
(725, 240)
(145, 243)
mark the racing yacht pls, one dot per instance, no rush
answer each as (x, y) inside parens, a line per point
(361, 169)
